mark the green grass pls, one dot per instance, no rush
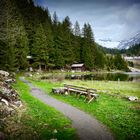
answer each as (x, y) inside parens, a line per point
(40, 120)
(120, 115)
(124, 88)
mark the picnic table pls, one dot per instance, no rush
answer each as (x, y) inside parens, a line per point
(89, 93)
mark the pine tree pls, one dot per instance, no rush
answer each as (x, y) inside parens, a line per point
(40, 50)
(22, 49)
(57, 53)
(100, 59)
(87, 48)
(77, 29)
(50, 43)
(21, 43)
(13, 35)
(55, 19)
(120, 63)
(76, 42)
(8, 34)
(30, 18)
(67, 39)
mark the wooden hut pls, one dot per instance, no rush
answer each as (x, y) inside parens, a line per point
(78, 67)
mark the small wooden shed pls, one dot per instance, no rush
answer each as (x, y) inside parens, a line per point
(78, 67)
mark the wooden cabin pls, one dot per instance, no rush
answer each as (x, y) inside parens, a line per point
(78, 67)
(30, 59)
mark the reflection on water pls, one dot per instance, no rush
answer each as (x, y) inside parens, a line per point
(107, 76)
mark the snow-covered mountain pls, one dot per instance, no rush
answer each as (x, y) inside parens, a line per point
(108, 43)
(125, 44)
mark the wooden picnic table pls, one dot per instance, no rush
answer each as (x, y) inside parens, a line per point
(89, 93)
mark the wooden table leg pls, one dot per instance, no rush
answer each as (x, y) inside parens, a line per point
(90, 100)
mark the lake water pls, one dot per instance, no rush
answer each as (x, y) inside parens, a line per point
(126, 76)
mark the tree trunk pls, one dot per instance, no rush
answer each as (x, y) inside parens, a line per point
(45, 67)
(39, 67)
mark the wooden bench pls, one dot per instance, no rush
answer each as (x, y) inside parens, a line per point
(88, 93)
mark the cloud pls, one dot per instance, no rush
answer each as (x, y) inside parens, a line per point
(113, 19)
(129, 20)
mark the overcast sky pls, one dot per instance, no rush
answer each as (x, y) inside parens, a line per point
(113, 19)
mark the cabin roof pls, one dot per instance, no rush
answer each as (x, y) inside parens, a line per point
(77, 65)
(29, 57)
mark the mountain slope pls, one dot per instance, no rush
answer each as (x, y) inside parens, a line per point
(125, 44)
(108, 43)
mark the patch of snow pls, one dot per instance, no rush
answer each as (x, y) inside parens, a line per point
(108, 43)
(125, 44)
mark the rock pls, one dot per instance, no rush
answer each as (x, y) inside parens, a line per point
(6, 85)
(10, 110)
(54, 131)
(30, 69)
(9, 100)
(18, 103)
(12, 75)
(4, 73)
(28, 75)
(66, 93)
(8, 93)
(13, 106)
(1, 78)
(132, 98)
(5, 111)
(5, 101)
(10, 81)
(95, 95)
(59, 90)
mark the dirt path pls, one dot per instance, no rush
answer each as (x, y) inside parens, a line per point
(88, 128)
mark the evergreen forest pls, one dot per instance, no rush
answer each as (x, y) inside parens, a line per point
(30, 30)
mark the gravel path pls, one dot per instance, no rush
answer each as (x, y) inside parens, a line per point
(88, 128)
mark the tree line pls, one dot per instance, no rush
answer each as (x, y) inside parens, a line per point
(132, 50)
(29, 30)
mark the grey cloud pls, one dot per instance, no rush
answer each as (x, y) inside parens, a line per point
(109, 18)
